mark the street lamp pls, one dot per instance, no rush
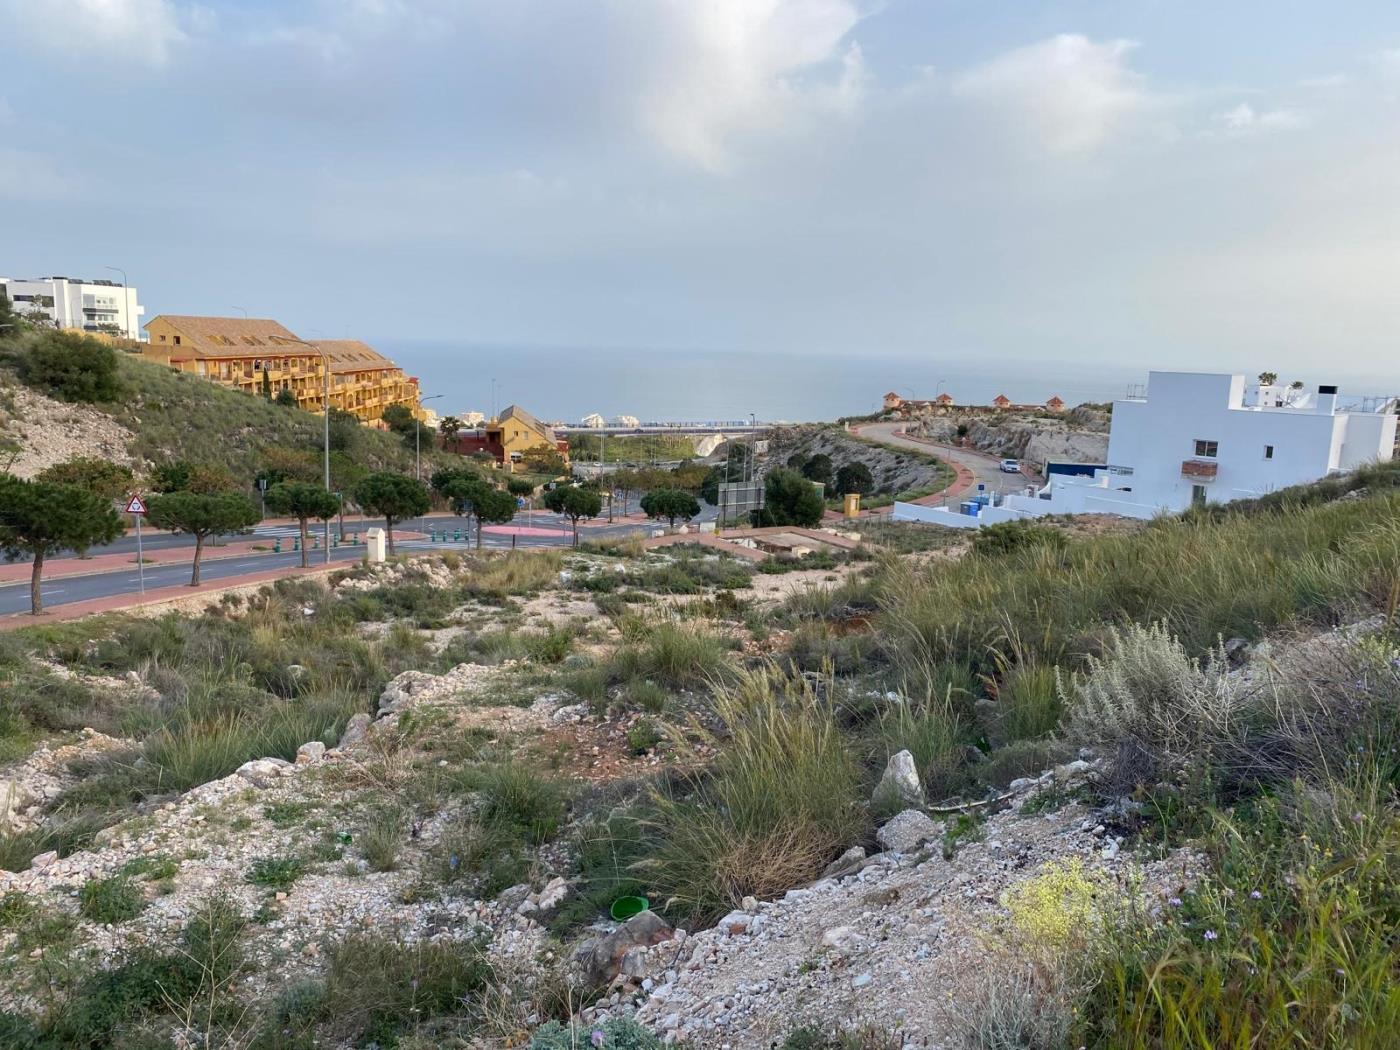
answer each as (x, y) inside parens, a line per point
(326, 435)
(126, 306)
(418, 439)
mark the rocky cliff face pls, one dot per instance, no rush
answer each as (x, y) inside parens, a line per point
(1081, 436)
(37, 432)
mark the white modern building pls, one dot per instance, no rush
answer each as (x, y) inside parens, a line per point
(626, 421)
(1203, 438)
(92, 306)
(593, 421)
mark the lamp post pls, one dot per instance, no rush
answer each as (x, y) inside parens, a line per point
(126, 306)
(418, 439)
(326, 432)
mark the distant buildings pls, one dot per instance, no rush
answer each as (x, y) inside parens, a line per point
(1196, 438)
(946, 402)
(509, 438)
(593, 421)
(262, 357)
(627, 421)
(96, 307)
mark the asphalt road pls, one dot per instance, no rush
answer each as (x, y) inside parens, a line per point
(14, 597)
(985, 468)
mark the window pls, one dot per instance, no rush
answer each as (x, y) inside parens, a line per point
(1198, 495)
(1268, 451)
(1207, 449)
(177, 340)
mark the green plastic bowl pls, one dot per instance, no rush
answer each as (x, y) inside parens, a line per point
(625, 907)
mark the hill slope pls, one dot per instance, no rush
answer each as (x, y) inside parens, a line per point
(164, 415)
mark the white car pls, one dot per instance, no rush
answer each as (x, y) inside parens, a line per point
(1011, 466)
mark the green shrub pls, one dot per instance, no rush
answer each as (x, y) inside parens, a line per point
(1289, 941)
(71, 367)
(189, 981)
(616, 1033)
(1007, 537)
(377, 989)
(642, 737)
(275, 873)
(110, 900)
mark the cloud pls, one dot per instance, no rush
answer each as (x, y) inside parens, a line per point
(29, 176)
(135, 32)
(1244, 119)
(731, 67)
(1071, 93)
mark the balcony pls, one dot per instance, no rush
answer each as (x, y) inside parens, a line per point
(1199, 470)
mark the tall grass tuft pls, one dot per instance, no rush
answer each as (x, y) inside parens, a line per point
(1205, 578)
(781, 800)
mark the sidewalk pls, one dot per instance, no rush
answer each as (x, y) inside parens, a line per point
(156, 596)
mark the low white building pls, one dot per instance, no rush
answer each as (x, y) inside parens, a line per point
(92, 306)
(593, 421)
(626, 421)
(1204, 438)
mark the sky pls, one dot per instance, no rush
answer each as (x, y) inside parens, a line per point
(1163, 183)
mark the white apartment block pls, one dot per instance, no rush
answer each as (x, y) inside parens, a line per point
(92, 306)
(1204, 438)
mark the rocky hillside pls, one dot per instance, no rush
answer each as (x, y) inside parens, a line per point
(1079, 436)
(37, 432)
(871, 802)
(894, 471)
(160, 415)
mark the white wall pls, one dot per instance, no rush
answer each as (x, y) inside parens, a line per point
(116, 305)
(1154, 437)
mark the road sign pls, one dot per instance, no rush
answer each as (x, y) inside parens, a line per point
(136, 507)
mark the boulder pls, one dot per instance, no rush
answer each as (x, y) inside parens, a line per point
(43, 860)
(355, 730)
(553, 894)
(401, 689)
(603, 957)
(310, 753)
(848, 863)
(900, 786)
(907, 832)
(263, 772)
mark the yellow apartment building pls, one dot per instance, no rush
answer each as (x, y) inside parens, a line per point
(365, 382)
(262, 357)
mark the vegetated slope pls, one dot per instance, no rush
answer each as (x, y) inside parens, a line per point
(895, 471)
(1118, 838)
(171, 416)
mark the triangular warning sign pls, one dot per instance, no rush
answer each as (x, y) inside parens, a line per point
(136, 505)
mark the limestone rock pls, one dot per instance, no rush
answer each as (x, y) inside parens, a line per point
(848, 863)
(263, 772)
(355, 730)
(310, 753)
(900, 783)
(641, 930)
(907, 832)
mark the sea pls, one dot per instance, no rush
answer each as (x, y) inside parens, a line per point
(564, 384)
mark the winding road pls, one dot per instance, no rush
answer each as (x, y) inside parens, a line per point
(985, 468)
